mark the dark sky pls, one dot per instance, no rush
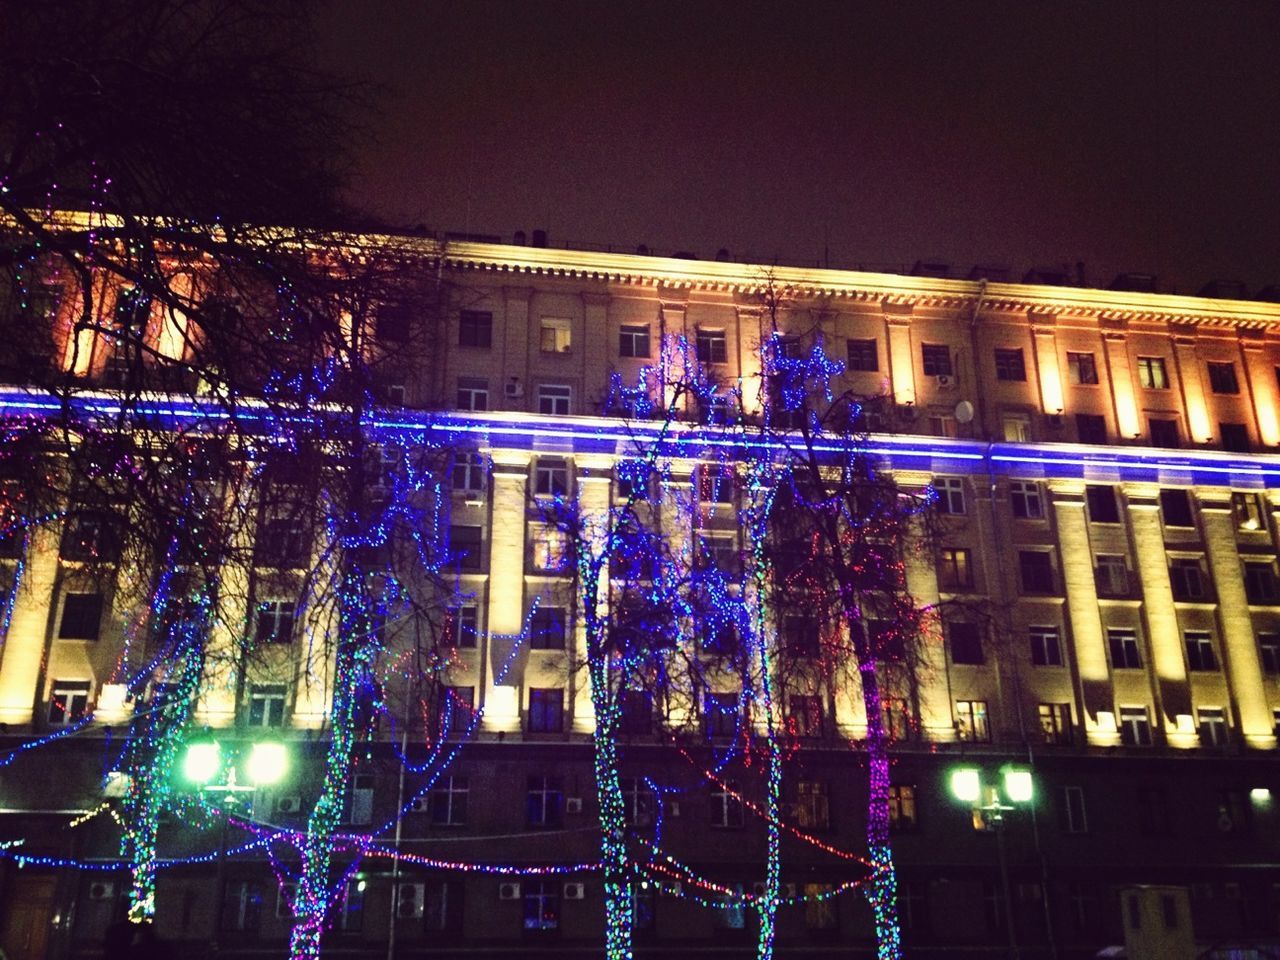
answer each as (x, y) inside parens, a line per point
(1133, 136)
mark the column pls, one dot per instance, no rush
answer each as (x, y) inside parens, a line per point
(1164, 639)
(1240, 650)
(902, 379)
(596, 350)
(675, 521)
(504, 620)
(1115, 349)
(516, 344)
(216, 706)
(1260, 376)
(1085, 618)
(29, 626)
(1045, 344)
(594, 476)
(750, 360)
(1191, 374)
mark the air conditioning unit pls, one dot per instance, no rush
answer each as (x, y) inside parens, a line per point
(102, 890)
(673, 808)
(908, 412)
(759, 889)
(787, 890)
(409, 900)
(514, 389)
(573, 805)
(945, 381)
(1055, 420)
(418, 805)
(509, 891)
(289, 804)
(575, 891)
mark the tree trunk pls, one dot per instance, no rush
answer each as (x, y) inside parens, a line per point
(882, 889)
(612, 813)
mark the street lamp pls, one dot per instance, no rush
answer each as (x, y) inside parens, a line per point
(989, 802)
(204, 765)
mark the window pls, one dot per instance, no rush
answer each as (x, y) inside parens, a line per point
(820, 908)
(468, 474)
(1247, 511)
(88, 539)
(971, 721)
(1169, 910)
(1036, 570)
(633, 480)
(966, 642)
(1016, 427)
(1269, 652)
(392, 324)
(464, 545)
(554, 335)
(638, 801)
(554, 399)
(1024, 497)
(1102, 504)
(473, 394)
(1260, 582)
(551, 477)
(805, 715)
(1091, 428)
(475, 329)
(1235, 437)
(351, 905)
(282, 543)
(1111, 575)
(1187, 579)
(896, 718)
(801, 635)
(633, 341)
(1152, 374)
(1200, 655)
(711, 346)
(730, 911)
(1154, 815)
(447, 800)
(642, 906)
(541, 904)
(913, 905)
(546, 710)
(716, 486)
(941, 425)
(720, 713)
(1055, 722)
(133, 311)
(1164, 432)
(902, 807)
(1123, 644)
(863, 356)
(81, 616)
(813, 805)
(1081, 368)
(1010, 365)
(1072, 811)
(1213, 726)
(955, 570)
(726, 807)
(1175, 505)
(544, 801)
(457, 709)
(936, 358)
(1135, 727)
(275, 622)
(635, 712)
(241, 906)
(548, 629)
(950, 492)
(463, 625)
(266, 704)
(1222, 378)
(68, 701)
(720, 550)
(550, 550)
(1046, 646)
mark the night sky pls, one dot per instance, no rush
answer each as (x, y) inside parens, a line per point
(1140, 137)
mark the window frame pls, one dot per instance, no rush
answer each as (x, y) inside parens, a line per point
(1153, 373)
(936, 360)
(630, 336)
(1082, 368)
(1026, 500)
(555, 399)
(1223, 379)
(475, 329)
(862, 355)
(545, 710)
(711, 345)
(1124, 640)
(1010, 364)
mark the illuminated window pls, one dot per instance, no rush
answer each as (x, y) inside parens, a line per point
(1046, 646)
(712, 346)
(731, 913)
(820, 907)
(1186, 577)
(726, 807)
(955, 570)
(1135, 726)
(554, 335)
(1222, 378)
(68, 701)
(1010, 365)
(633, 341)
(447, 800)
(266, 704)
(1213, 726)
(275, 621)
(475, 329)
(1091, 428)
(1025, 499)
(863, 356)
(1082, 368)
(966, 643)
(547, 628)
(546, 710)
(473, 394)
(1102, 503)
(936, 358)
(1055, 722)
(902, 807)
(1152, 373)
(971, 721)
(950, 495)
(813, 805)
(1200, 655)
(81, 616)
(1016, 427)
(554, 399)
(1123, 645)
(544, 801)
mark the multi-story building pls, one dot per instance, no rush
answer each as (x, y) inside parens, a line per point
(1108, 488)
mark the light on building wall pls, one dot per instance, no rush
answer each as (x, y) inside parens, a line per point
(966, 784)
(1107, 721)
(1019, 787)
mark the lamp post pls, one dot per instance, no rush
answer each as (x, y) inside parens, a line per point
(989, 802)
(204, 765)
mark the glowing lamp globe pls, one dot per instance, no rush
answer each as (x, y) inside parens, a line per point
(202, 761)
(966, 784)
(267, 764)
(1018, 785)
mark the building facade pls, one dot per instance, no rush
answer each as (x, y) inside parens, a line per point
(1107, 488)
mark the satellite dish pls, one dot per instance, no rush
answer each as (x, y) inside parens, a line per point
(964, 411)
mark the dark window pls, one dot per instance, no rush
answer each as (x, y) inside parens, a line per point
(1187, 579)
(863, 355)
(712, 347)
(456, 709)
(1036, 569)
(133, 311)
(1010, 365)
(800, 635)
(282, 543)
(1200, 655)
(1025, 500)
(1135, 727)
(241, 906)
(546, 710)
(805, 715)
(1046, 647)
(275, 622)
(902, 807)
(465, 545)
(1082, 368)
(547, 629)
(1111, 575)
(88, 539)
(636, 712)
(638, 800)
(1123, 644)
(1153, 812)
(1176, 507)
(937, 359)
(473, 393)
(68, 701)
(1091, 428)
(544, 802)
(1260, 582)
(266, 704)
(726, 805)
(447, 800)
(1235, 437)
(392, 324)
(1102, 504)
(950, 492)
(81, 616)
(1164, 432)
(463, 625)
(720, 714)
(1269, 652)
(633, 341)
(1222, 378)
(966, 642)
(542, 905)
(475, 329)
(1072, 811)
